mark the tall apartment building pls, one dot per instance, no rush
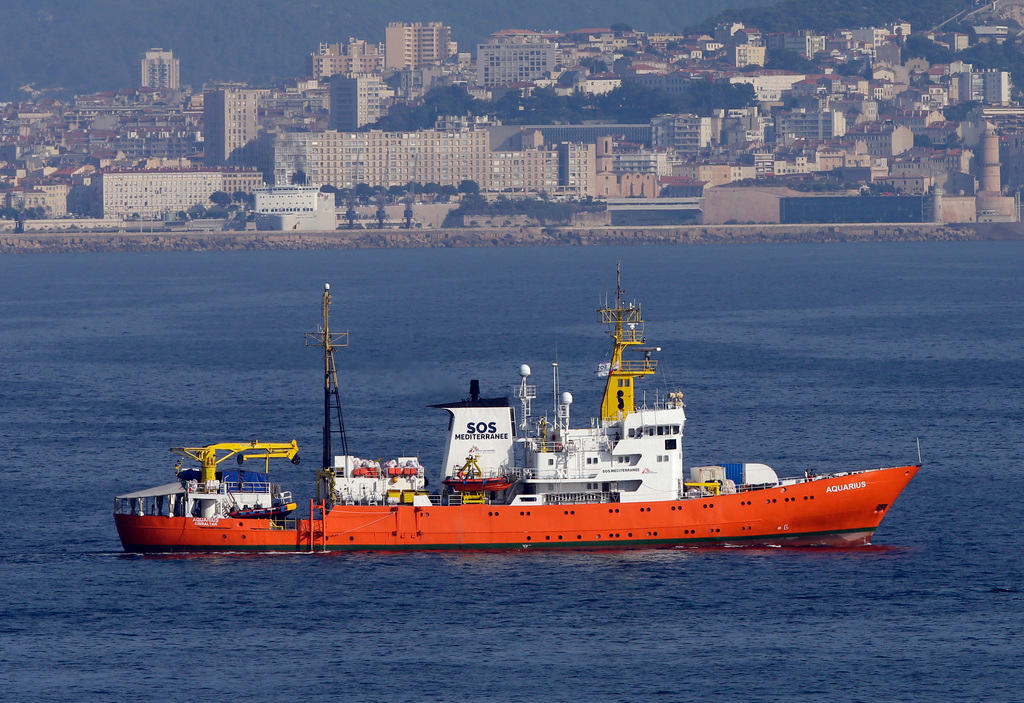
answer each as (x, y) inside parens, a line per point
(577, 168)
(415, 44)
(988, 85)
(686, 134)
(354, 56)
(356, 100)
(229, 123)
(159, 69)
(514, 58)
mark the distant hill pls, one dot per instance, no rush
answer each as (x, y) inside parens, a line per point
(826, 15)
(95, 44)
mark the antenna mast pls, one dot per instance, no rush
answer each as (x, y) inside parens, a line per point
(329, 341)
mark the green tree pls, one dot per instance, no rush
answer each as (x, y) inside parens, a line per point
(220, 198)
(469, 187)
(787, 60)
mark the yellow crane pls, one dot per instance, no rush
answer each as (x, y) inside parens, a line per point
(209, 459)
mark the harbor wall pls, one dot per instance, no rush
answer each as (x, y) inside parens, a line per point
(43, 242)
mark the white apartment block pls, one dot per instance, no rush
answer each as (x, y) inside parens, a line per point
(530, 170)
(345, 159)
(989, 85)
(159, 69)
(816, 125)
(153, 194)
(686, 134)
(515, 58)
(577, 169)
(655, 162)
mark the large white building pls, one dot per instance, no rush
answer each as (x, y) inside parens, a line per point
(514, 58)
(295, 207)
(345, 159)
(153, 194)
(159, 69)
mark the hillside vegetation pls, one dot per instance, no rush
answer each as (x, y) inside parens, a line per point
(95, 45)
(825, 15)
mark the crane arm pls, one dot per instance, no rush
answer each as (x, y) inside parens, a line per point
(208, 457)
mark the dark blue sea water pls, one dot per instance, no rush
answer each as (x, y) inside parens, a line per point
(801, 356)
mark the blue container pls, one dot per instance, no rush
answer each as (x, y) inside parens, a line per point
(734, 472)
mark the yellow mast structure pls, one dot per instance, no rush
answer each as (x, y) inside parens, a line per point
(627, 330)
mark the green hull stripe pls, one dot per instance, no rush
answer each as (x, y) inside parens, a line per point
(562, 544)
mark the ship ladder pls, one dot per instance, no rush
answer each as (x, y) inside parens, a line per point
(314, 533)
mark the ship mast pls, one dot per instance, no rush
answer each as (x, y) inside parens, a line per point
(627, 330)
(329, 341)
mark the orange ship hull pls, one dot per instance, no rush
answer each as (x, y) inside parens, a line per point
(832, 511)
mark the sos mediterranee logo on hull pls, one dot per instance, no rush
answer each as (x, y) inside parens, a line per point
(476, 431)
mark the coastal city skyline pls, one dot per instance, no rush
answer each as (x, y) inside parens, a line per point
(886, 123)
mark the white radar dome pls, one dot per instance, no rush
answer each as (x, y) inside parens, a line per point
(524, 370)
(567, 398)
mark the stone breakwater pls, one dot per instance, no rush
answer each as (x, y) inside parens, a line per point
(55, 242)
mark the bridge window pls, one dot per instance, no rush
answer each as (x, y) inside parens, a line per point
(670, 444)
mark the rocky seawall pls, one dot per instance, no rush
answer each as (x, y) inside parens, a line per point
(55, 242)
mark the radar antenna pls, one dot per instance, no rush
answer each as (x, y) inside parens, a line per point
(329, 341)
